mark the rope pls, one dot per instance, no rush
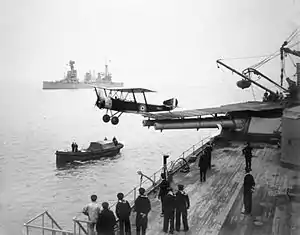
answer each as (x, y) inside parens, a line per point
(247, 57)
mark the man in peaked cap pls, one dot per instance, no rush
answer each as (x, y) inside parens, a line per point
(182, 205)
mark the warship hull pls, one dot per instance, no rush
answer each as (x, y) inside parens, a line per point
(80, 85)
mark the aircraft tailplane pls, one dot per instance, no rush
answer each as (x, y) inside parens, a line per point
(173, 103)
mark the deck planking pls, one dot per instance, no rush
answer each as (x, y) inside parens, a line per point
(210, 201)
(272, 211)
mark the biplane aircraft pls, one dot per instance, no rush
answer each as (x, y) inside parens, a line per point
(124, 100)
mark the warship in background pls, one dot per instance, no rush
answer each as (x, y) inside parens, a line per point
(71, 80)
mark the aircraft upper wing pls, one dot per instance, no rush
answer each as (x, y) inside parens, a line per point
(247, 106)
(123, 89)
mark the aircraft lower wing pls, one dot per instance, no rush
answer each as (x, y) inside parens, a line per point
(247, 106)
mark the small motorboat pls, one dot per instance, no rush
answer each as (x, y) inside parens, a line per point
(96, 150)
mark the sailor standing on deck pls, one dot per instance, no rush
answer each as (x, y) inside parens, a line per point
(203, 164)
(249, 185)
(106, 221)
(247, 151)
(123, 211)
(142, 207)
(92, 210)
(209, 150)
(182, 205)
(163, 191)
(169, 211)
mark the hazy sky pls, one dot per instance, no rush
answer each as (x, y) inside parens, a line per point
(148, 42)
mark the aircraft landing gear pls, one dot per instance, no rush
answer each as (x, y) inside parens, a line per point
(106, 118)
(114, 120)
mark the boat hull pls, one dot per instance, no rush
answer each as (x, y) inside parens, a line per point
(80, 85)
(63, 157)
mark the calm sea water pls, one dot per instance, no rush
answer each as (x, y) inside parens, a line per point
(35, 123)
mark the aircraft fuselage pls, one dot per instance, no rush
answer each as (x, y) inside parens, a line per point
(130, 106)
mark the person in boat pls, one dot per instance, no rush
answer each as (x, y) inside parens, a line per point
(115, 141)
(73, 146)
(142, 207)
(182, 205)
(123, 211)
(203, 165)
(249, 185)
(106, 221)
(163, 191)
(169, 211)
(266, 95)
(247, 151)
(92, 210)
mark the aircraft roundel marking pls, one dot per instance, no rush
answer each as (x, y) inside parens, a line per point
(142, 108)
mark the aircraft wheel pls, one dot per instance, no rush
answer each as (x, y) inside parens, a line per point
(106, 118)
(114, 120)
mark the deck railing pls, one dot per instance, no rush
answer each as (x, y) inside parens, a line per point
(44, 224)
(150, 183)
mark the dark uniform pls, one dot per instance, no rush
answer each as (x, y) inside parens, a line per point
(163, 192)
(249, 184)
(247, 151)
(142, 207)
(106, 221)
(169, 205)
(73, 147)
(123, 210)
(203, 164)
(209, 150)
(182, 205)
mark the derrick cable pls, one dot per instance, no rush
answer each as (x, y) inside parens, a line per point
(248, 57)
(261, 63)
(293, 35)
(274, 55)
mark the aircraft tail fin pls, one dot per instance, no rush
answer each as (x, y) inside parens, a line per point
(173, 103)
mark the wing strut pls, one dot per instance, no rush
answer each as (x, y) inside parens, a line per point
(145, 100)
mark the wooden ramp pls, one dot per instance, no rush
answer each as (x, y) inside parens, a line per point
(210, 201)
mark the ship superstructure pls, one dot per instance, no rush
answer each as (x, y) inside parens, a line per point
(71, 80)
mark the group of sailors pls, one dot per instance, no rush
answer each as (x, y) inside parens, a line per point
(174, 205)
(272, 97)
(104, 221)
